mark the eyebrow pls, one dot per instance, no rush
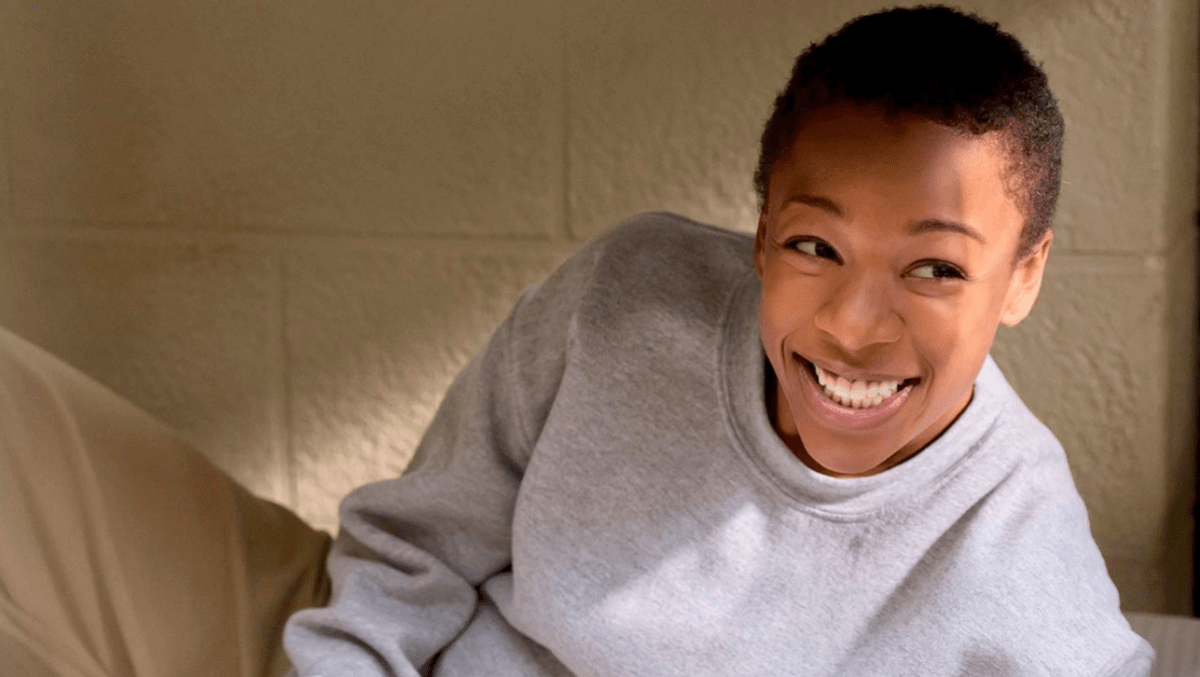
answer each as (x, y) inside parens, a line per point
(822, 203)
(939, 226)
(918, 228)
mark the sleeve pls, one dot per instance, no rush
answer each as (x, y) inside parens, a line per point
(1141, 664)
(412, 551)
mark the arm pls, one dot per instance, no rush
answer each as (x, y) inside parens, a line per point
(1138, 665)
(412, 551)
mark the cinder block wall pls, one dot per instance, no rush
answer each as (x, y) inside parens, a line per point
(282, 227)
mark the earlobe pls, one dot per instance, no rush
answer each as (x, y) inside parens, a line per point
(1026, 283)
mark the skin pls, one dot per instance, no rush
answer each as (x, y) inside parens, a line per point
(887, 250)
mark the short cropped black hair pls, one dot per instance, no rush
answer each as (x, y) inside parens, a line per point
(950, 67)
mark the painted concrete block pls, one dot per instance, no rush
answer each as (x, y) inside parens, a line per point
(666, 103)
(374, 338)
(389, 118)
(1103, 59)
(1090, 363)
(1107, 61)
(185, 331)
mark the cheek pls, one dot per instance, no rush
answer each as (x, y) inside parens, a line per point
(785, 309)
(953, 337)
(936, 328)
(774, 329)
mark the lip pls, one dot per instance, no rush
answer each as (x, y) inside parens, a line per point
(848, 417)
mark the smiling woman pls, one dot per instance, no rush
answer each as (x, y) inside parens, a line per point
(888, 249)
(693, 452)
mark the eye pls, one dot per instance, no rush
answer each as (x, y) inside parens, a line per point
(937, 270)
(815, 248)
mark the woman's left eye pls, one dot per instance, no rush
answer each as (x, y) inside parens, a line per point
(937, 270)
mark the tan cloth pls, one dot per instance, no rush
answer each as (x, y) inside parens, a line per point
(123, 552)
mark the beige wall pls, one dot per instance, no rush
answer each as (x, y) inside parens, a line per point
(283, 226)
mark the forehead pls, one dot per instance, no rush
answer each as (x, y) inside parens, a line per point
(896, 169)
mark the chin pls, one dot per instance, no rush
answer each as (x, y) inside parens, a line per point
(848, 462)
(847, 467)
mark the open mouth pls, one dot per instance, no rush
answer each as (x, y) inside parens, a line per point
(855, 394)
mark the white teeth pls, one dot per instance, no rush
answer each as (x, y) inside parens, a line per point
(841, 388)
(855, 394)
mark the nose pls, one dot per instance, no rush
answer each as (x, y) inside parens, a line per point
(860, 313)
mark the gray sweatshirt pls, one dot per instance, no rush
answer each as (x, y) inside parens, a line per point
(601, 494)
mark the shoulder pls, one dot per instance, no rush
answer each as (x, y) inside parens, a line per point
(1025, 462)
(1032, 511)
(661, 227)
(651, 279)
(658, 261)
(656, 256)
(657, 243)
(1028, 551)
(652, 246)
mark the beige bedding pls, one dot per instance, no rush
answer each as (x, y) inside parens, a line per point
(1175, 638)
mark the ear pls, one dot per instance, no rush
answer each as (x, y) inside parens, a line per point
(760, 245)
(1026, 283)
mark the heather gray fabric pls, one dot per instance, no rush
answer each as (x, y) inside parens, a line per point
(601, 494)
